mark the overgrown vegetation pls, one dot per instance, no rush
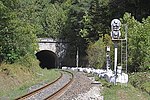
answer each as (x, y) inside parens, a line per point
(23, 21)
(15, 80)
(82, 23)
(96, 54)
(141, 81)
(138, 43)
(122, 92)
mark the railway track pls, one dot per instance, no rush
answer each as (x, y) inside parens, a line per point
(51, 90)
(58, 93)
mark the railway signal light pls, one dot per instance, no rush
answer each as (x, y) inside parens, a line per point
(115, 29)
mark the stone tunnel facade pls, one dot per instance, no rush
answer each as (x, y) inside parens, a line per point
(51, 52)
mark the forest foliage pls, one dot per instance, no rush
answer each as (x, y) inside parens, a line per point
(138, 43)
(84, 23)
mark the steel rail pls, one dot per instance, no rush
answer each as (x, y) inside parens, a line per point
(61, 90)
(38, 90)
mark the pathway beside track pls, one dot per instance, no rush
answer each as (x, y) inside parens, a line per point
(82, 89)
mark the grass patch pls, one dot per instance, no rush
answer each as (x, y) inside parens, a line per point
(122, 92)
(128, 92)
(15, 79)
(89, 75)
(141, 80)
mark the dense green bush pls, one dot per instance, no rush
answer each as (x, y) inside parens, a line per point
(96, 54)
(138, 43)
(17, 35)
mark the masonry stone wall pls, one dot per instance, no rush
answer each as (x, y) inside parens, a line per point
(47, 46)
(56, 46)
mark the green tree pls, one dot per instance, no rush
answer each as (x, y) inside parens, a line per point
(85, 23)
(17, 35)
(76, 10)
(52, 20)
(96, 54)
(138, 43)
(138, 8)
(95, 21)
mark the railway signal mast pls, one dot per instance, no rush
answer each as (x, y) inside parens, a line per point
(116, 37)
(115, 34)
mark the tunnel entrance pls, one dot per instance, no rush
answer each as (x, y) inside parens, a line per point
(48, 59)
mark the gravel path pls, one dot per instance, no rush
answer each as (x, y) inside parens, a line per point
(92, 94)
(82, 89)
(51, 89)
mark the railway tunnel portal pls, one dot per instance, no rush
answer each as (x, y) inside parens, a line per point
(51, 52)
(47, 59)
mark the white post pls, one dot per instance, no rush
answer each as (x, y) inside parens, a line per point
(107, 58)
(115, 61)
(77, 59)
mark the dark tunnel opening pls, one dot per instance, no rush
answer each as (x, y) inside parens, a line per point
(48, 59)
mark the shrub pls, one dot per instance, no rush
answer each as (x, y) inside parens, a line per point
(138, 43)
(96, 54)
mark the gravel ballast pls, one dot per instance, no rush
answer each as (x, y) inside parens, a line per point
(82, 89)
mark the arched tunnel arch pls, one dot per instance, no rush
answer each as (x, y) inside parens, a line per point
(48, 59)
